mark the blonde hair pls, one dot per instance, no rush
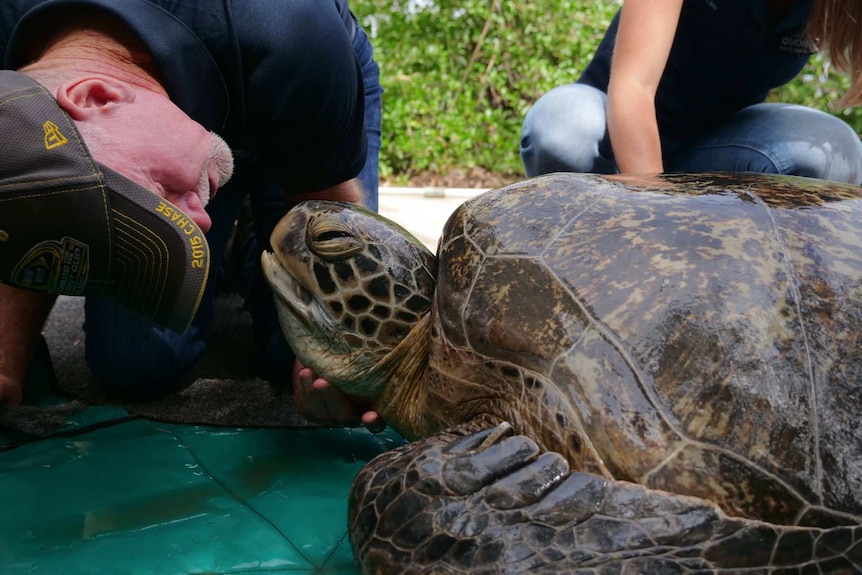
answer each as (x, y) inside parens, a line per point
(835, 28)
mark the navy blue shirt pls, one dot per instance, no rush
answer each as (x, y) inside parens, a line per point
(726, 55)
(278, 78)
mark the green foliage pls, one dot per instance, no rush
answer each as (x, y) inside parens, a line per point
(460, 75)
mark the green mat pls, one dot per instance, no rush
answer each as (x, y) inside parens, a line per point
(113, 493)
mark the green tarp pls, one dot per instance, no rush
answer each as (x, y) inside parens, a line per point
(114, 493)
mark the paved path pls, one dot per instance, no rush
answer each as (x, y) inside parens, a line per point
(423, 211)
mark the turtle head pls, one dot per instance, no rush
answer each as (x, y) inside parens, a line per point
(349, 285)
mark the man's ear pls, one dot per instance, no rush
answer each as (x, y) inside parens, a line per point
(83, 98)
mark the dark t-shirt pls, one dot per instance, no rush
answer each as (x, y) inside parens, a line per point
(277, 78)
(726, 55)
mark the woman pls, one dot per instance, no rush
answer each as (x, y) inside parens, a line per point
(679, 86)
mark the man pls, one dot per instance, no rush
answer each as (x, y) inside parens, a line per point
(289, 86)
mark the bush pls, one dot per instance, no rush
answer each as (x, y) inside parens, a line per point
(460, 76)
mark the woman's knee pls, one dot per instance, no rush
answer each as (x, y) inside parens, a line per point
(826, 147)
(563, 131)
(779, 138)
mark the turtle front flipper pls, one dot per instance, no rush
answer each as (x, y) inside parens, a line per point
(458, 503)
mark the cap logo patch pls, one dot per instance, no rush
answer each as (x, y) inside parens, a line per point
(55, 267)
(54, 138)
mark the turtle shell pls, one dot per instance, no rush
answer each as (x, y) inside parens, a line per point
(698, 334)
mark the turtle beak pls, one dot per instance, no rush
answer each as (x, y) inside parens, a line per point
(288, 291)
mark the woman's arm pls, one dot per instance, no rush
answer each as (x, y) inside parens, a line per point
(644, 39)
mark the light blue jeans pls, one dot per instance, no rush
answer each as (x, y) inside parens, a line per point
(135, 358)
(566, 131)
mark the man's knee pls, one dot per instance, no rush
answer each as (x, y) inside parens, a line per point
(132, 358)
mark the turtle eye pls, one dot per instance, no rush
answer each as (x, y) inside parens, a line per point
(332, 240)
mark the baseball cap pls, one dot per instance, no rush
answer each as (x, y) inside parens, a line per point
(70, 225)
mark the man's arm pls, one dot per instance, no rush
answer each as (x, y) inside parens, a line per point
(349, 191)
(22, 316)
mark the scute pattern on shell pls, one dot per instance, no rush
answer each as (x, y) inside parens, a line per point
(698, 325)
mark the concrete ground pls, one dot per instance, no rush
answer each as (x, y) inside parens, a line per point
(423, 211)
(226, 389)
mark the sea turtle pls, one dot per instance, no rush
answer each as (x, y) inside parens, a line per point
(611, 375)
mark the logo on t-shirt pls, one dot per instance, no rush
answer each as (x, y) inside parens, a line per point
(795, 45)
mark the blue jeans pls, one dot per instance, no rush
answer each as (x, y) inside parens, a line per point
(134, 358)
(566, 131)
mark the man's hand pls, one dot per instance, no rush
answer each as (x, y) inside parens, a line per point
(11, 391)
(321, 402)
(22, 315)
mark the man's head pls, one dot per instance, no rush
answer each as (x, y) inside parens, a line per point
(141, 134)
(90, 218)
(104, 78)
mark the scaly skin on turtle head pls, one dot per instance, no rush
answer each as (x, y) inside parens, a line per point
(349, 287)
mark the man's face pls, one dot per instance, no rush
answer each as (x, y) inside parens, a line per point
(156, 145)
